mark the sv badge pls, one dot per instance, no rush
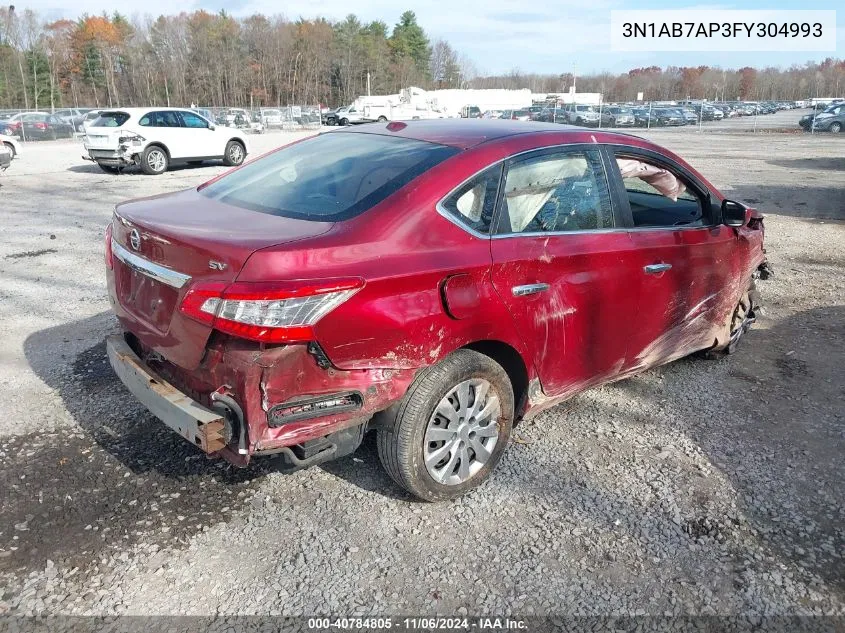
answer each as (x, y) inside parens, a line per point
(213, 265)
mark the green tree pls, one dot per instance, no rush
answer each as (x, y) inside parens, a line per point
(409, 43)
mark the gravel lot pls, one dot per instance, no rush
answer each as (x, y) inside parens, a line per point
(702, 487)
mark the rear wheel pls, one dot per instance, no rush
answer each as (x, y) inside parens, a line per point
(382, 119)
(154, 160)
(234, 154)
(344, 122)
(451, 428)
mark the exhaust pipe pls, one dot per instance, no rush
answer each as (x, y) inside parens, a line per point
(234, 418)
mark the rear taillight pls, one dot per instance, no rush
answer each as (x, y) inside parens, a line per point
(109, 255)
(282, 312)
(41, 126)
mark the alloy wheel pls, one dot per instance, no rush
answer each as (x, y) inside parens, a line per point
(236, 153)
(156, 160)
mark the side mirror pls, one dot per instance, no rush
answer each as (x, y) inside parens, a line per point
(734, 213)
(212, 127)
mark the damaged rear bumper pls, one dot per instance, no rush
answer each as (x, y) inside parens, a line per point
(115, 158)
(244, 401)
(201, 426)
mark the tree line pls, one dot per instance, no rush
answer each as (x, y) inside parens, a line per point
(218, 60)
(800, 81)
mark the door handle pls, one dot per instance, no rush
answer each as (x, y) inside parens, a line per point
(529, 289)
(653, 269)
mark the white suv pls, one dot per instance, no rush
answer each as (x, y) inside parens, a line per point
(156, 138)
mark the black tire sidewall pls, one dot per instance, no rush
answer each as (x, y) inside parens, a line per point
(407, 436)
(835, 125)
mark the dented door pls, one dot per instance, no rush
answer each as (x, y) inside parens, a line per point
(565, 272)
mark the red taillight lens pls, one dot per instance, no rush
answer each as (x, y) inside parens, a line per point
(280, 312)
(109, 255)
(41, 126)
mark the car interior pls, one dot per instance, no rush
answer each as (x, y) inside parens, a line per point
(657, 196)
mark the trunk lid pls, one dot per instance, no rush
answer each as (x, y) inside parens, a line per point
(164, 244)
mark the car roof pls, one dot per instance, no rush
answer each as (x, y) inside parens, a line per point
(141, 111)
(467, 133)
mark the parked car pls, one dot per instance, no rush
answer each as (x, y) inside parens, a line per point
(667, 117)
(690, 116)
(831, 120)
(471, 112)
(517, 115)
(13, 126)
(11, 144)
(158, 138)
(350, 282)
(45, 126)
(5, 158)
(272, 117)
(643, 117)
(81, 122)
(582, 115)
(617, 116)
(66, 115)
(345, 116)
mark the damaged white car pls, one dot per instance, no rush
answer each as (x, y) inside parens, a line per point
(10, 144)
(157, 138)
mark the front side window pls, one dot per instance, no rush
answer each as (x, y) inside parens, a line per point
(557, 192)
(658, 196)
(193, 121)
(474, 202)
(330, 177)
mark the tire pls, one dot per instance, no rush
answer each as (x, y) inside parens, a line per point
(109, 169)
(154, 160)
(234, 154)
(742, 318)
(836, 127)
(406, 436)
(11, 149)
(344, 122)
(382, 119)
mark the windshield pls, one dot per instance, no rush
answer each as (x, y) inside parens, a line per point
(110, 119)
(333, 176)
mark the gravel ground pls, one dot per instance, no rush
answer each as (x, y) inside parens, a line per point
(702, 487)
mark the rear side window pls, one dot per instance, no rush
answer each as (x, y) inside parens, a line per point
(474, 202)
(110, 119)
(165, 118)
(557, 192)
(330, 177)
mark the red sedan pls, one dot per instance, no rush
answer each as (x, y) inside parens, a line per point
(436, 281)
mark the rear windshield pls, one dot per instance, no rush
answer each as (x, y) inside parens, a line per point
(110, 119)
(333, 176)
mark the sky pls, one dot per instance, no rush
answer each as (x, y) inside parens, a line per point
(554, 36)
